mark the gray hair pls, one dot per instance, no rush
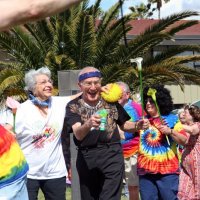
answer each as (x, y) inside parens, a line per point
(30, 77)
(124, 85)
(180, 111)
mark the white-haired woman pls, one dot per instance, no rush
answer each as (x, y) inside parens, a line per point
(181, 116)
(38, 127)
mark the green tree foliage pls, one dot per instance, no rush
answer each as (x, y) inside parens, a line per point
(142, 11)
(77, 38)
(158, 4)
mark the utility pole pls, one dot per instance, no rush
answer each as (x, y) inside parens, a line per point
(123, 23)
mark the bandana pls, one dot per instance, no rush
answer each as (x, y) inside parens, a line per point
(89, 75)
(37, 102)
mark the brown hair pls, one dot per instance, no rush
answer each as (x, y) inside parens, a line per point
(194, 112)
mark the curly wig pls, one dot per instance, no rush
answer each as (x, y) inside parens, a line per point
(163, 98)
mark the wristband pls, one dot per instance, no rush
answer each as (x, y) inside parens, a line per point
(136, 126)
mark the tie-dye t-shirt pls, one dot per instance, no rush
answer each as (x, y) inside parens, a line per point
(131, 143)
(155, 154)
(13, 165)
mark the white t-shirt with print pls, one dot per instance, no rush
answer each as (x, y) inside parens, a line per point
(40, 138)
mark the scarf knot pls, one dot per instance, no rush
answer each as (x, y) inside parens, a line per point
(37, 102)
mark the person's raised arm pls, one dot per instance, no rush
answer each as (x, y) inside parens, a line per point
(133, 127)
(178, 137)
(15, 12)
(192, 129)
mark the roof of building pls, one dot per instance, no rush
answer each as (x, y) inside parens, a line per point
(139, 26)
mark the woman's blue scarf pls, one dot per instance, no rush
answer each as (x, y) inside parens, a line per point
(37, 102)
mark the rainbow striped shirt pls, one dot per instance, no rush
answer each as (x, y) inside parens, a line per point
(13, 165)
(131, 143)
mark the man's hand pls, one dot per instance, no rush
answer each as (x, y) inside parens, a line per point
(94, 121)
(105, 89)
(164, 129)
(142, 124)
(80, 131)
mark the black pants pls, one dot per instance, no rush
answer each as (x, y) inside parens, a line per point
(101, 171)
(53, 189)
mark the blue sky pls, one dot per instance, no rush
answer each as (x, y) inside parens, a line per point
(167, 9)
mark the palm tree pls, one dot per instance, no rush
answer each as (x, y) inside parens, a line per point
(142, 11)
(77, 38)
(159, 4)
(66, 41)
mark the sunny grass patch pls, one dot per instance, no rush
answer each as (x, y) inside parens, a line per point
(68, 195)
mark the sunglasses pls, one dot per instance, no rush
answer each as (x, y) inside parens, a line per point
(149, 100)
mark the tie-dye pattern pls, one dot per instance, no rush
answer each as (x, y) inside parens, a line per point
(13, 165)
(155, 154)
(130, 144)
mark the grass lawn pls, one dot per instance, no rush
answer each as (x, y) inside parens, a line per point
(68, 195)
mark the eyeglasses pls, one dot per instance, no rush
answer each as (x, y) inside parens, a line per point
(90, 83)
(44, 82)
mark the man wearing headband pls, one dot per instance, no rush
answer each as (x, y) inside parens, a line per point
(94, 121)
(14, 12)
(13, 164)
